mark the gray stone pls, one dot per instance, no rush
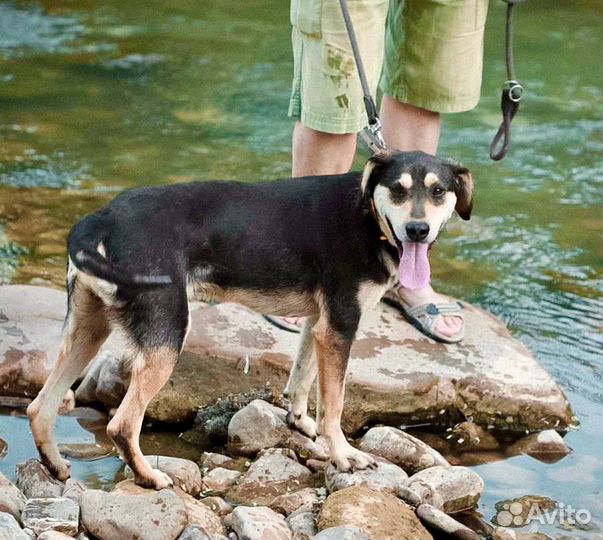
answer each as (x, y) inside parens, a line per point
(443, 522)
(73, 490)
(217, 505)
(400, 448)
(34, 480)
(184, 473)
(302, 524)
(385, 477)
(306, 498)
(155, 516)
(273, 474)
(469, 436)
(194, 533)
(219, 480)
(86, 390)
(12, 499)
(10, 528)
(54, 535)
(56, 514)
(258, 523)
(113, 380)
(87, 451)
(212, 460)
(379, 514)
(451, 489)
(547, 446)
(341, 533)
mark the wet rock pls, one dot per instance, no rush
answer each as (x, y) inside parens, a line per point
(87, 451)
(451, 489)
(113, 380)
(302, 524)
(379, 514)
(306, 448)
(443, 522)
(288, 503)
(34, 480)
(10, 528)
(54, 535)
(434, 440)
(471, 459)
(211, 422)
(73, 490)
(211, 460)
(385, 477)
(342, 533)
(158, 515)
(516, 512)
(218, 481)
(273, 474)
(258, 523)
(198, 514)
(547, 446)
(316, 465)
(12, 499)
(217, 504)
(184, 473)
(469, 436)
(56, 514)
(401, 449)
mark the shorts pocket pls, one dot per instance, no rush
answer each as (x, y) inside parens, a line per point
(306, 16)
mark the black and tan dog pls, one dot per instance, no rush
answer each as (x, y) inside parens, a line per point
(325, 248)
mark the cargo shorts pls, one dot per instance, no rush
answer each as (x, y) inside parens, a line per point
(428, 53)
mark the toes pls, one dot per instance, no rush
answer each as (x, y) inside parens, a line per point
(61, 470)
(302, 423)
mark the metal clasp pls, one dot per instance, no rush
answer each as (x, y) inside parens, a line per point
(514, 90)
(372, 137)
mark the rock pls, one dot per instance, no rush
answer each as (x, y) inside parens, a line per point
(515, 512)
(381, 515)
(547, 446)
(341, 533)
(470, 436)
(158, 515)
(256, 427)
(273, 474)
(194, 533)
(184, 473)
(10, 529)
(54, 535)
(73, 490)
(87, 451)
(302, 524)
(434, 441)
(113, 380)
(56, 514)
(401, 449)
(34, 480)
(217, 505)
(451, 489)
(306, 448)
(198, 514)
(86, 390)
(285, 504)
(471, 459)
(12, 499)
(316, 465)
(211, 422)
(258, 523)
(211, 460)
(443, 522)
(219, 480)
(385, 477)
(490, 376)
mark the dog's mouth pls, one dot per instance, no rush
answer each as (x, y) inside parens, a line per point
(414, 270)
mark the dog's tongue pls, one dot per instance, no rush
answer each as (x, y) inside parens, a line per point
(415, 271)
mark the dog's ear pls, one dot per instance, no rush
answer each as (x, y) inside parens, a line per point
(463, 188)
(372, 169)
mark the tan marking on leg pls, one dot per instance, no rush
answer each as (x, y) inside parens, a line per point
(151, 369)
(86, 330)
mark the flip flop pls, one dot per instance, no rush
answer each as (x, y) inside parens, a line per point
(424, 316)
(283, 324)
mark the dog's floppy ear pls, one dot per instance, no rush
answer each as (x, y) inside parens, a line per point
(370, 174)
(463, 182)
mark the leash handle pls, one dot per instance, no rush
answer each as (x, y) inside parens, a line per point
(371, 135)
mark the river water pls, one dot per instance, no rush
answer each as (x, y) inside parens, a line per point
(96, 97)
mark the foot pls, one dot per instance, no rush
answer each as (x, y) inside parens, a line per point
(303, 423)
(155, 480)
(446, 325)
(347, 458)
(59, 468)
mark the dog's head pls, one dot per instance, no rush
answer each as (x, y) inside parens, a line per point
(413, 195)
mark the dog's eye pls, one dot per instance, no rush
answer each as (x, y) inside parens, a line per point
(438, 191)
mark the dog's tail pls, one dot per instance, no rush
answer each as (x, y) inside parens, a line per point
(83, 248)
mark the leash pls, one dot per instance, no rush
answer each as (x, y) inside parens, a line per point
(371, 135)
(512, 93)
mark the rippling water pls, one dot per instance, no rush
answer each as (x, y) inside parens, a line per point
(98, 97)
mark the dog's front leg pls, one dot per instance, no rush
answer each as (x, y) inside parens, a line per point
(333, 350)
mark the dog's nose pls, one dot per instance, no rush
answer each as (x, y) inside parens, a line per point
(417, 230)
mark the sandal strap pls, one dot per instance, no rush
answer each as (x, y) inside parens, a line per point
(432, 310)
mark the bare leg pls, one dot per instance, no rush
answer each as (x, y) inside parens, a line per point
(150, 371)
(303, 374)
(408, 128)
(333, 352)
(86, 330)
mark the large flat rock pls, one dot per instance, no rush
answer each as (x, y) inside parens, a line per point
(396, 374)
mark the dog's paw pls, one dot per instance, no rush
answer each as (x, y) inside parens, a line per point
(349, 459)
(302, 423)
(60, 469)
(157, 480)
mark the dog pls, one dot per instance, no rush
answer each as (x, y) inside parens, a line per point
(325, 247)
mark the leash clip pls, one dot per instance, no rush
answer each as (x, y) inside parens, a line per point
(371, 136)
(514, 90)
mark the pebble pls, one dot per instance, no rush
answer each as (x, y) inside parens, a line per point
(285, 504)
(217, 505)
(219, 480)
(258, 523)
(51, 513)
(385, 477)
(443, 522)
(34, 480)
(184, 473)
(302, 524)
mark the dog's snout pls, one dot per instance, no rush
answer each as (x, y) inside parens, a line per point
(417, 230)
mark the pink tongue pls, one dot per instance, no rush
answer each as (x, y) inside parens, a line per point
(414, 265)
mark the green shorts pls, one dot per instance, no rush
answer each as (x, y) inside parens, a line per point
(427, 53)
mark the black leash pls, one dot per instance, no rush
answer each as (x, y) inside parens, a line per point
(511, 94)
(371, 135)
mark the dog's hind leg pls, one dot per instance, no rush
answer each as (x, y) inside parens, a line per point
(303, 374)
(86, 329)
